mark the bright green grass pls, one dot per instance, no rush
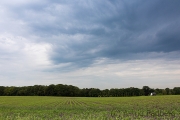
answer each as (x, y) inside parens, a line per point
(104, 108)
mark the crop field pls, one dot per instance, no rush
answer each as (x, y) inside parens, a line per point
(81, 108)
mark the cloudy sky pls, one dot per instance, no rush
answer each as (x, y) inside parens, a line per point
(90, 43)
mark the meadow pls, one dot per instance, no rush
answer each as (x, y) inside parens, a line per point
(89, 108)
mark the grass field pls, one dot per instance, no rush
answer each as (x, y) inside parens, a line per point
(104, 108)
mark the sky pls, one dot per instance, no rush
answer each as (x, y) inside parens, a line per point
(90, 43)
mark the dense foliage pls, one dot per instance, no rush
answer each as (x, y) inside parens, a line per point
(90, 108)
(73, 91)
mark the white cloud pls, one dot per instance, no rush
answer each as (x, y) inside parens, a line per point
(21, 58)
(37, 53)
(24, 49)
(122, 74)
(20, 2)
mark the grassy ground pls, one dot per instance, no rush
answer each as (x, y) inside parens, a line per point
(104, 108)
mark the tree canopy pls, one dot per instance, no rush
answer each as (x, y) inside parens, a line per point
(73, 91)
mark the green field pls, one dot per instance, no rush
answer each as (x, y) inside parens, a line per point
(100, 108)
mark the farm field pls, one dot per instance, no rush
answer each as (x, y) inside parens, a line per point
(81, 108)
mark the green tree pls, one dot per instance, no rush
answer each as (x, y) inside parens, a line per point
(10, 91)
(167, 91)
(50, 90)
(105, 93)
(94, 92)
(2, 90)
(22, 91)
(146, 90)
(176, 90)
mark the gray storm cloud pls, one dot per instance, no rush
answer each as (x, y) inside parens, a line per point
(68, 35)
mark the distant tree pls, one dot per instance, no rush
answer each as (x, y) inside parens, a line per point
(50, 90)
(157, 91)
(66, 90)
(59, 88)
(22, 91)
(151, 90)
(176, 90)
(146, 90)
(70, 90)
(94, 92)
(2, 90)
(113, 92)
(120, 92)
(141, 93)
(171, 92)
(167, 91)
(30, 91)
(10, 91)
(84, 92)
(74, 91)
(39, 90)
(105, 93)
(135, 91)
(127, 92)
(164, 92)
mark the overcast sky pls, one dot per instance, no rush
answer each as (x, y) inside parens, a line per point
(90, 43)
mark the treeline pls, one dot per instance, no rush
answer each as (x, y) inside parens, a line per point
(73, 91)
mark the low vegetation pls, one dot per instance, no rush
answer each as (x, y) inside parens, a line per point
(92, 108)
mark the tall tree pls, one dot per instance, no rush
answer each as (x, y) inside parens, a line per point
(50, 90)
(94, 92)
(146, 90)
(2, 90)
(105, 93)
(176, 90)
(167, 91)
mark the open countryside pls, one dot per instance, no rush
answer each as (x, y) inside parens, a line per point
(89, 108)
(90, 60)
